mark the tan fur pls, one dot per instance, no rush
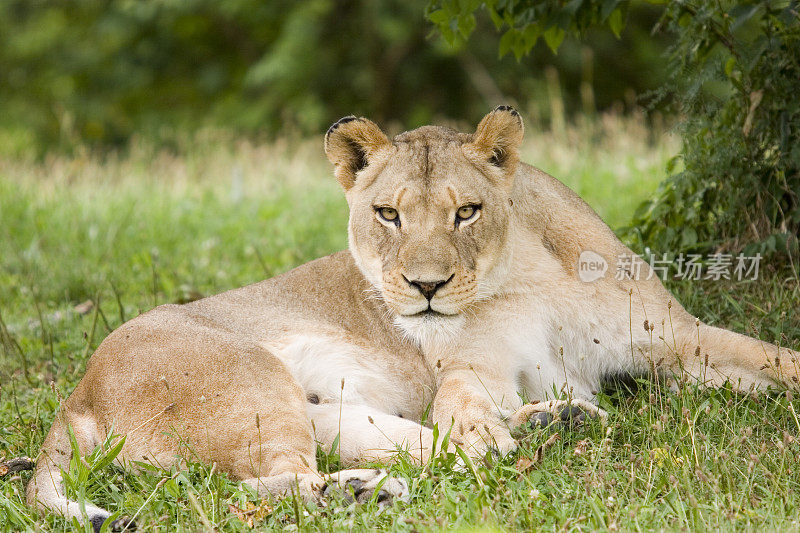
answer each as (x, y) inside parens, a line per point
(252, 378)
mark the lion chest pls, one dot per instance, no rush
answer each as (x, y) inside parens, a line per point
(551, 352)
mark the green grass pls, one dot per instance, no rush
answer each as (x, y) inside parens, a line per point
(151, 227)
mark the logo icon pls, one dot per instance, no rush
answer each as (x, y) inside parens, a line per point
(591, 266)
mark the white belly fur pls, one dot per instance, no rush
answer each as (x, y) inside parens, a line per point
(337, 371)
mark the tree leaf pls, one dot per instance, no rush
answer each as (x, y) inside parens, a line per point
(497, 20)
(530, 36)
(616, 22)
(466, 24)
(554, 36)
(509, 42)
(729, 65)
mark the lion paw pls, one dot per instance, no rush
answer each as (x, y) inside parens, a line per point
(360, 485)
(123, 523)
(572, 413)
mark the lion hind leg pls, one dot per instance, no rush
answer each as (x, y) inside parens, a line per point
(46, 488)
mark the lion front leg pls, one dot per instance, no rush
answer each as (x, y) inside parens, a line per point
(473, 406)
(486, 415)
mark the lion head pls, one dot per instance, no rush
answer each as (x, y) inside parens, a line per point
(429, 212)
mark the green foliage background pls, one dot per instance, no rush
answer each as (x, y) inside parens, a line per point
(75, 72)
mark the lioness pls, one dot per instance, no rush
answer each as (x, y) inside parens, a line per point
(460, 291)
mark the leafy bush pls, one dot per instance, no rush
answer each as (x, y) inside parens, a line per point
(734, 72)
(736, 75)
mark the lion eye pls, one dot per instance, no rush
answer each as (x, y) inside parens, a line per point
(466, 212)
(389, 214)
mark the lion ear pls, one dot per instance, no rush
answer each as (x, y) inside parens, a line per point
(349, 144)
(498, 138)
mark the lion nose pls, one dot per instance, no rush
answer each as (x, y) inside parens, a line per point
(429, 288)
